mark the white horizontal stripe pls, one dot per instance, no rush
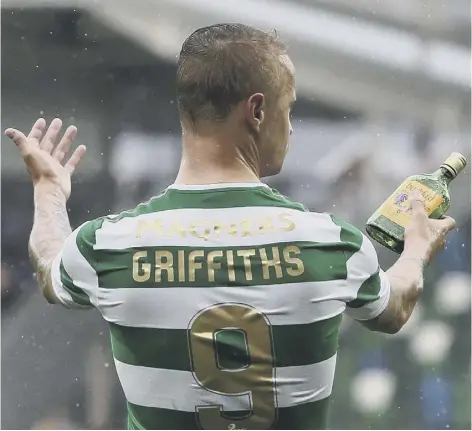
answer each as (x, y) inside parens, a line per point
(79, 270)
(362, 264)
(288, 304)
(360, 267)
(313, 227)
(178, 390)
(373, 309)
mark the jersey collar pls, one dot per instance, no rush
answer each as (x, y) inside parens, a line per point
(215, 186)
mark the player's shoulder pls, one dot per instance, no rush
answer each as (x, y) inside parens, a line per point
(353, 239)
(349, 234)
(86, 233)
(278, 198)
(153, 204)
(349, 237)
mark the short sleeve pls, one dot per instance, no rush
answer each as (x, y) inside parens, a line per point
(369, 280)
(367, 283)
(73, 273)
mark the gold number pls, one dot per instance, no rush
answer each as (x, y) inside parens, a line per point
(256, 378)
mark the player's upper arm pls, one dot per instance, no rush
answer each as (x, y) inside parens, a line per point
(367, 283)
(73, 273)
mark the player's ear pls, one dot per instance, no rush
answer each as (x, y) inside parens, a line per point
(255, 111)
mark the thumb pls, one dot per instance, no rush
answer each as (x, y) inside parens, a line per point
(20, 140)
(417, 204)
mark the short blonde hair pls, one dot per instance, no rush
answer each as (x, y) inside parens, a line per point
(223, 64)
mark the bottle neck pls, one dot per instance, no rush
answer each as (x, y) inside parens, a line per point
(445, 174)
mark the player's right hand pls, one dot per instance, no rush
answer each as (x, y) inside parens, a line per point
(423, 235)
(43, 158)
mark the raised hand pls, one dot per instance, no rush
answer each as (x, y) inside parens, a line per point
(43, 158)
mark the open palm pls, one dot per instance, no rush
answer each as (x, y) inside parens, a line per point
(43, 158)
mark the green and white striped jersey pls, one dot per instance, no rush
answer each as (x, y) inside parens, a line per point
(224, 304)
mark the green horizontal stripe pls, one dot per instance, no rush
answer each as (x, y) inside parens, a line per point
(294, 345)
(368, 292)
(232, 197)
(76, 293)
(353, 239)
(321, 262)
(310, 416)
(86, 239)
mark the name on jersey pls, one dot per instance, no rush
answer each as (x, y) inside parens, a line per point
(207, 229)
(221, 265)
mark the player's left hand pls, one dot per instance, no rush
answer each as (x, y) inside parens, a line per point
(43, 158)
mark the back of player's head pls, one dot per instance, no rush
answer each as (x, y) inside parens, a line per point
(222, 65)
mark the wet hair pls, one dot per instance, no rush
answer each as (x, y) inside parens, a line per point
(223, 64)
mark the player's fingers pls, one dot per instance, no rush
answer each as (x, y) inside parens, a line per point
(445, 224)
(442, 244)
(37, 131)
(417, 205)
(64, 145)
(20, 140)
(49, 140)
(75, 158)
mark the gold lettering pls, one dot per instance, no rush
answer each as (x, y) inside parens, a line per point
(164, 262)
(175, 229)
(141, 270)
(155, 226)
(266, 225)
(299, 266)
(231, 229)
(205, 234)
(181, 263)
(286, 219)
(246, 255)
(192, 264)
(267, 264)
(217, 229)
(246, 228)
(212, 265)
(230, 261)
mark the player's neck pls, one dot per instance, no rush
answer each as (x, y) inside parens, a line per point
(211, 160)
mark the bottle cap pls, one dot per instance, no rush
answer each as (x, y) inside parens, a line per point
(455, 163)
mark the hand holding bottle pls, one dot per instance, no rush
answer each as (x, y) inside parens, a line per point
(424, 237)
(387, 225)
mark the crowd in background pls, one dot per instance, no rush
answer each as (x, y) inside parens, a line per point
(57, 369)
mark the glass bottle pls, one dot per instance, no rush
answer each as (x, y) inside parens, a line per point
(387, 224)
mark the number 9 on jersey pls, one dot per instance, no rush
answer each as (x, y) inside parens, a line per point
(231, 351)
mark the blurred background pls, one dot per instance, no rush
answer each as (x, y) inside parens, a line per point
(384, 90)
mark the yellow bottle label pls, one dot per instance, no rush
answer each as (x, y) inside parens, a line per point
(397, 207)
